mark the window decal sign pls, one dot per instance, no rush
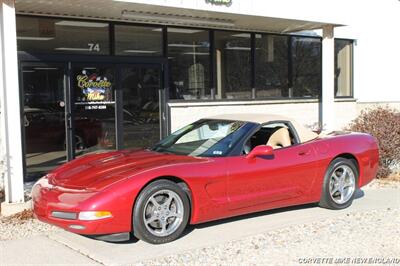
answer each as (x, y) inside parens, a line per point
(94, 88)
(219, 2)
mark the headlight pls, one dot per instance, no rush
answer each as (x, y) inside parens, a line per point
(94, 215)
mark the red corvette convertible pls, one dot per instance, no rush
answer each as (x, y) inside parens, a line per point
(215, 168)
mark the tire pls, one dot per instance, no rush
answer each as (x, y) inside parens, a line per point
(165, 207)
(340, 184)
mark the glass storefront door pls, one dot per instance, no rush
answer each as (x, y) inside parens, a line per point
(141, 93)
(72, 109)
(43, 117)
(93, 91)
(101, 122)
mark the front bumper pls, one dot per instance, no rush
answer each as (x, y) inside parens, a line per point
(47, 199)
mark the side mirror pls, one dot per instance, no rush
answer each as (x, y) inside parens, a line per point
(260, 150)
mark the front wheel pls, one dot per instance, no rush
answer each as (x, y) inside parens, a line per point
(161, 212)
(340, 184)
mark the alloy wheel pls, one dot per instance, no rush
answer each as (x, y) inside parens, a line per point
(342, 184)
(163, 213)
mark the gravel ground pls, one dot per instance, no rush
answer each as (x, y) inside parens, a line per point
(383, 183)
(372, 234)
(17, 229)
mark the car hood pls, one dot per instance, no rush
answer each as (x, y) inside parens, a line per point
(97, 171)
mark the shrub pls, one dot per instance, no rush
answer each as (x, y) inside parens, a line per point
(384, 124)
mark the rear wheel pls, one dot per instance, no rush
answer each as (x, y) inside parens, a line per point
(161, 212)
(340, 184)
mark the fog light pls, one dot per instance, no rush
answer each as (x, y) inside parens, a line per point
(94, 215)
(77, 227)
(64, 215)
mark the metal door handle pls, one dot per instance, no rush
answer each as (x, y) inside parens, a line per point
(69, 121)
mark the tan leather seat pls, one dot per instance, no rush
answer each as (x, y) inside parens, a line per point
(280, 139)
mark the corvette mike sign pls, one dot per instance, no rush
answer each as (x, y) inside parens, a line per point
(94, 88)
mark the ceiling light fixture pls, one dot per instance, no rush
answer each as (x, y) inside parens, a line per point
(194, 53)
(176, 19)
(140, 51)
(242, 35)
(179, 30)
(45, 68)
(238, 48)
(184, 45)
(28, 38)
(71, 49)
(81, 24)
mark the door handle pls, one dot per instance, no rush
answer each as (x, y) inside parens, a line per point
(69, 121)
(305, 152)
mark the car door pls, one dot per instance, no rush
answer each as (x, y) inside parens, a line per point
(284, 178)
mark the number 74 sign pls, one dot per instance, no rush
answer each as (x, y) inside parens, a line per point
(94, 47)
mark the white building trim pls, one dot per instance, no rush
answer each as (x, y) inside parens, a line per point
(11, 138)
(328, 78)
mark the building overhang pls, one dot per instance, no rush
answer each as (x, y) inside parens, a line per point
(205, 16)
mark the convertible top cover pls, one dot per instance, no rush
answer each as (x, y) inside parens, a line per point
(304, 133)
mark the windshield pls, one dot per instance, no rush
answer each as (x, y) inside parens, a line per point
(206, 138)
